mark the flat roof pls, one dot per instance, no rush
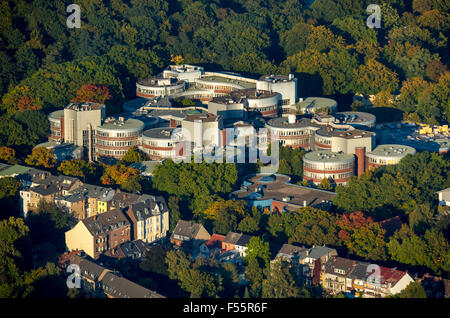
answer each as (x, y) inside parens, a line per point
(392, 150)
(206, 117)
(283, 122)
(56, 114)
(160, 81)
(317, 102)
(277, 187)
(220, 79)
(85, 106)
(117, 124)
(350, 134)
(327, 156)
(161, 133)
(276, 77)
(354, 117)
(14, 170)
(146, 167)
(253, 93)
(134, 104)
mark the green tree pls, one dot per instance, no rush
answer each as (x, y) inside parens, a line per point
(259, 249)
(280, 282)
(413, 290)
(133, 155)
(41, 157)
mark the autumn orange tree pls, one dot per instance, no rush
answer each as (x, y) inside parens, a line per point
(126, 177)
(92, 93)
(362, 236)
(21, 98)
(177, 59)
(7, 154)
(41, 157)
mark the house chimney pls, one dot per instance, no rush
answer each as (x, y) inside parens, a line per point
(304, 203)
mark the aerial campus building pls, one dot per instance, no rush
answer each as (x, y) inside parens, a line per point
(388, 154)
(275, 193)
(116, 135)
(338, 167)
(182, 95)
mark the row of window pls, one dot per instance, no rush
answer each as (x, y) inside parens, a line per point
(320, 176)
(158, 153)
(291, 132)
(162, 91)
(158, 143)
(119, 134)
(103, 152)
(323, 141)
(214, 87)
(383, 161)
(117, 143)
(336, 166)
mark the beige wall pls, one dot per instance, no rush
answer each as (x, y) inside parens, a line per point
(348, 145)
(79, 238)
(77, 121)
(207, 136)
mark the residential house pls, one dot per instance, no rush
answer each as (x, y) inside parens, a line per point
(131, 250)
(362, 279)
(312, 259)
(45, 187)
(190, 235)
(99, 233)
(212, 246)
(104, 201)
(118, 287)
(291, 254)
(334, 275)
(83, 202)
(101, 281)
(149, 219)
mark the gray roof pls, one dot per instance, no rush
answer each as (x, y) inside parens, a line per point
(133, 248)
(145, 209)
(188, 229)
(243, 240)
(147, 167)
(340, 263)
(161, 133)
(359, 271)
(120, 287)
(290, 250)
(87, 268)
(105, 222)
(283, 122)
(392, 150)
(327, 156)
(320, 251)
(126, 124)
(232, 238)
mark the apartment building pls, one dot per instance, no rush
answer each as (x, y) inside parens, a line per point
(100, 281)
(99, 233)
(341, 275)
(189, 235)
(149, 219)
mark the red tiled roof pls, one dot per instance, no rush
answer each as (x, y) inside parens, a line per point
(215, 240)
(390, 275)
